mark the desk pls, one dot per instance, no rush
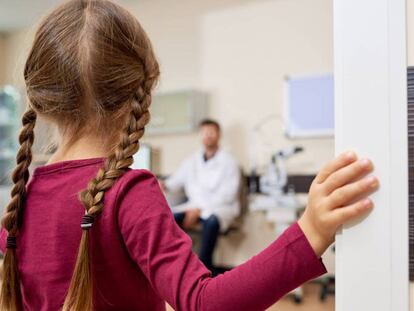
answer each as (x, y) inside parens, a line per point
(280, 212)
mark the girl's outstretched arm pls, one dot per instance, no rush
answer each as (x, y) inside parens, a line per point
(164, 254)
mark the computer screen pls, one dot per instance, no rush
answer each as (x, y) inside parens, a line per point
(309, 106)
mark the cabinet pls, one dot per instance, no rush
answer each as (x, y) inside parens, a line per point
(177, 112)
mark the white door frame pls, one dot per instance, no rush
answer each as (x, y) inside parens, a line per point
(371, 118)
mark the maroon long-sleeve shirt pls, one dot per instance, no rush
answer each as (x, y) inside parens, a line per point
(140, 257)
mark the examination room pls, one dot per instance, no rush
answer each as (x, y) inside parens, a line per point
(218, 155)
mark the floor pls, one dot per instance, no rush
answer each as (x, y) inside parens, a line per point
(310, 302)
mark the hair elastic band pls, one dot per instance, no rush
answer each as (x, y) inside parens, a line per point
(87, 222)
(11, 242)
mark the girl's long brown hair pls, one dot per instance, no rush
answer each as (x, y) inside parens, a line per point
(90, 69)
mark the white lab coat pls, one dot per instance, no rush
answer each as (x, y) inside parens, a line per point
(212, 186)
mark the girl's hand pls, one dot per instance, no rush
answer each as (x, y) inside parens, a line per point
(337, 195)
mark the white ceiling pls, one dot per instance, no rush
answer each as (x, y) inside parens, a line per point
(16, 14)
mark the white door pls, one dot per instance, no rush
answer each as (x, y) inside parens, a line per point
(371, 118)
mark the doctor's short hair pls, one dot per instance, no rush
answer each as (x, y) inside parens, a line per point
(209, 122)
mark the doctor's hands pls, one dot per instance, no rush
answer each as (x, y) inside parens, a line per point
(338, 194)
(191, 218)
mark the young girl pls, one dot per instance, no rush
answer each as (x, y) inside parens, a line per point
(88, 233)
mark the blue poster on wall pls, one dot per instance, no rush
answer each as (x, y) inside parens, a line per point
(309, 106)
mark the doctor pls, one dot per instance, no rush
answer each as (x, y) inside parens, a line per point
(210, 179)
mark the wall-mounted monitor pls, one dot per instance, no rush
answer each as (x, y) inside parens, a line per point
(309, 106)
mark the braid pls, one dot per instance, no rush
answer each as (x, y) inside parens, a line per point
(10, 291)
(92, 197)
(20, 176)
(117, 163)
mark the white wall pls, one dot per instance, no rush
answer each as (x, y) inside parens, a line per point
(239, 51)
(15, 49)
(2, 57)
(247, 52)
(175, 29)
